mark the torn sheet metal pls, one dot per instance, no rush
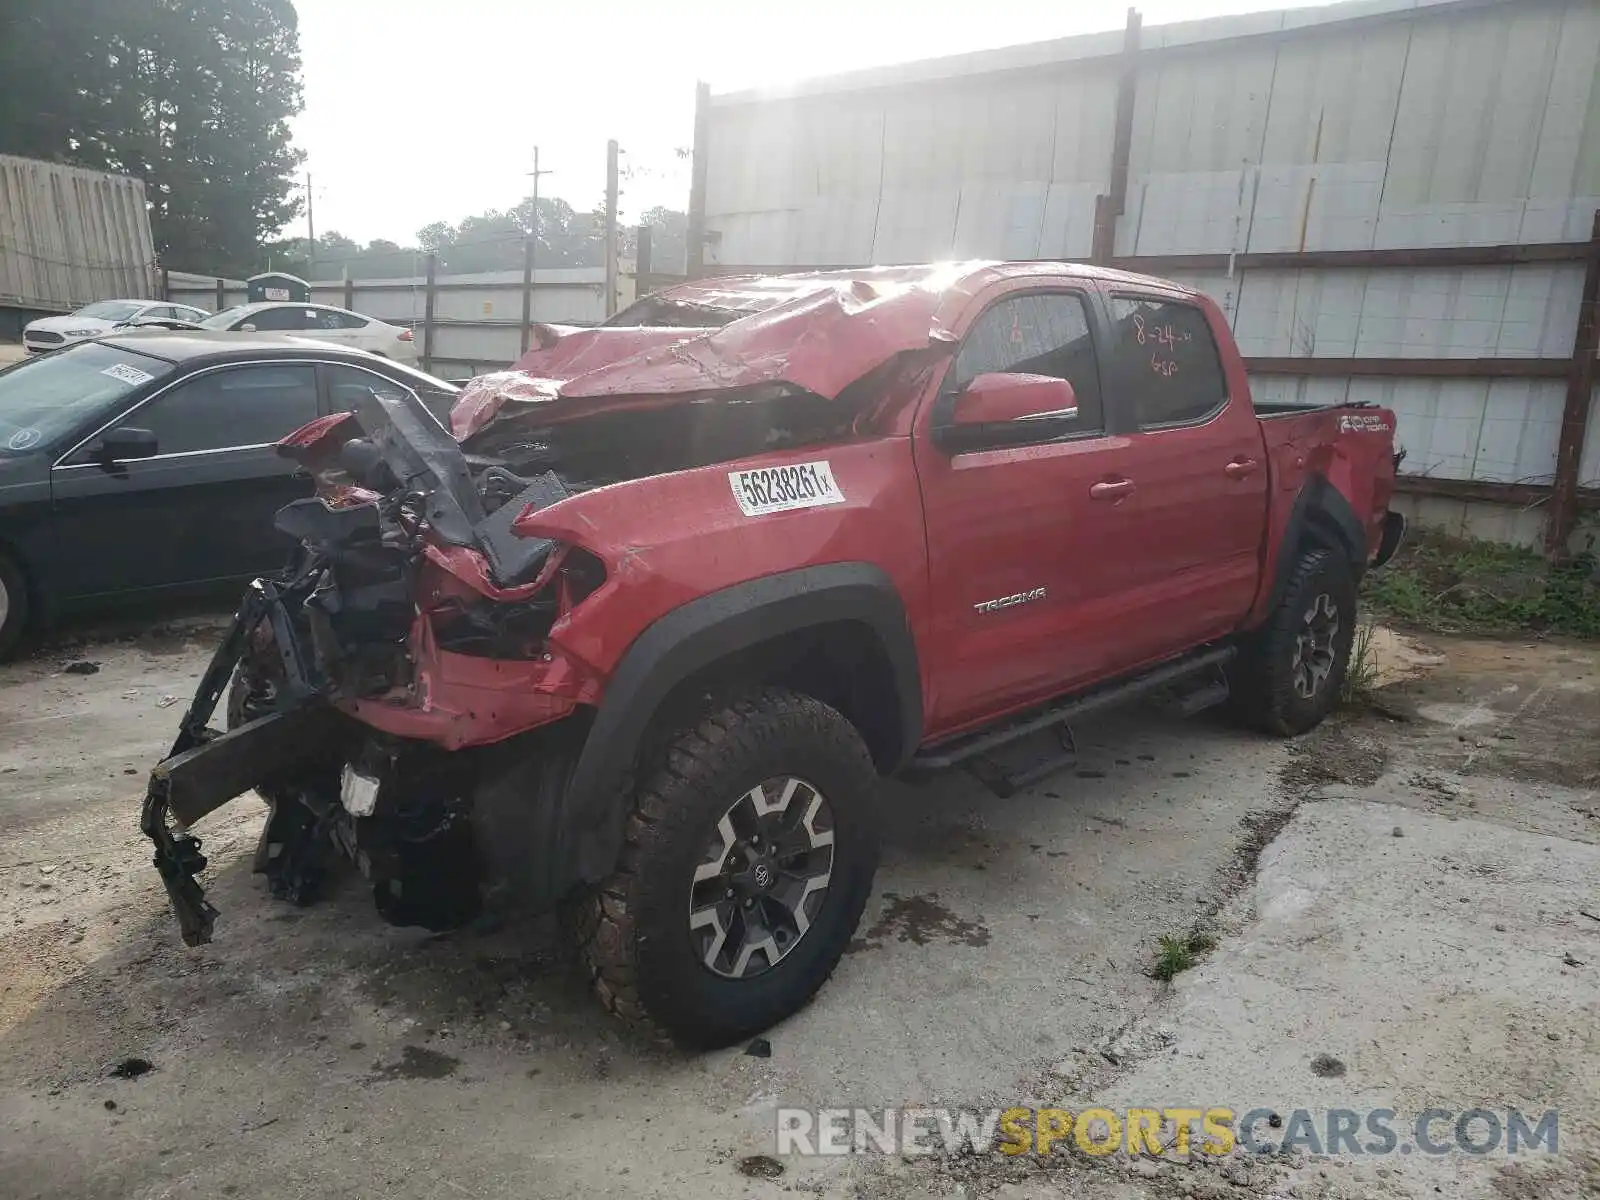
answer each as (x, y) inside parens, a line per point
(819, 333)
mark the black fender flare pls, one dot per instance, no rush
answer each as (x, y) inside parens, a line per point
(581, 838)
(1321, 517)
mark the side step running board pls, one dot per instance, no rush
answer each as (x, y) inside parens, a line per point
(973, 744)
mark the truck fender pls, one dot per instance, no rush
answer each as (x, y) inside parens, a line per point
(1321, 516)
(580, 841)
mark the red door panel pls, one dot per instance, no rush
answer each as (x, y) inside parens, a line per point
(1024, 571)
(1199, 512)
(1007, 525)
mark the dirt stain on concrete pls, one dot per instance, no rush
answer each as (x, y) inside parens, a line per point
(760, 1166)
(919, 920)
(1339, 751)
(418, 1062)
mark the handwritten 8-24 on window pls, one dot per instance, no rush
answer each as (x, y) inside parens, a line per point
(1166, 360)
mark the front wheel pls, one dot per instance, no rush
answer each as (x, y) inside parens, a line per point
(1291, 671)
(13, 607)
(749, 857)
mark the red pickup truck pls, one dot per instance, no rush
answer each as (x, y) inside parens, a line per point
(638, 635)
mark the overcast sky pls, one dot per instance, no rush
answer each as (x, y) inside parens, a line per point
(424, 110)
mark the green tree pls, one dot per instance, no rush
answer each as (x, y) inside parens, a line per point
(192, 96)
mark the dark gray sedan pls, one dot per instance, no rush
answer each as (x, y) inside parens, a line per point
(141, 463)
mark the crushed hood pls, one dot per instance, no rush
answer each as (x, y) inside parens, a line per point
(818, 332)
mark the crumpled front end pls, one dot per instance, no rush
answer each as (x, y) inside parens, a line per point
(408, 692)
(412, 625)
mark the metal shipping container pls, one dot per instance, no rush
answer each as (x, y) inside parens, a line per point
(68, 237)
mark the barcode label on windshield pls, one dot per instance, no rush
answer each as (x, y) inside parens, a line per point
(779, 489)
(129, 375)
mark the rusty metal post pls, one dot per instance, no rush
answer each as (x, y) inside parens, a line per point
(427, 312)
(695, 264)
(349, 291)
(1575, 415)
(166, 283)
(222, 296)
(1111, 205)
(643, 265)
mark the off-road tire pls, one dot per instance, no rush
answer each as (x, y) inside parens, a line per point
(1262, 678)
(632, 930)
(15, 620)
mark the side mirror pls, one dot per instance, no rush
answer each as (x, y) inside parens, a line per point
(248, 327)
(995, 398)
(123, 444)
(995, 403)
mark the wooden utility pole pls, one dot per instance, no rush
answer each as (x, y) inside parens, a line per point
(311, 235)
(611, 227)
(695, 261)
(530, 251)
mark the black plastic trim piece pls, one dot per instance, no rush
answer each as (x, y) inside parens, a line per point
(698, 635)
(1056, 711)
(1323, 517)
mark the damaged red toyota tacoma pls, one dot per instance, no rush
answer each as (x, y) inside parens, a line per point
(638, 635)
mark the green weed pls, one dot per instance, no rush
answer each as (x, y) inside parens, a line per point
(1178, 954)
(1448, 585)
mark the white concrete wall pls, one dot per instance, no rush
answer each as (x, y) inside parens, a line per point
(477, 318)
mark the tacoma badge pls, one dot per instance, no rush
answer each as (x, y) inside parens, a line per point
(988, 606)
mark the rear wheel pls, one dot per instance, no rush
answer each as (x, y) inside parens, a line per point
(749, 857)
(13, 607)
(1291, 671)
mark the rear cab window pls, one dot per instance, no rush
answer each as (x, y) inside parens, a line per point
(1164, 361)
(1034, 333)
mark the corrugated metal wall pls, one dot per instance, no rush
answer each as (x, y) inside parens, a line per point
(1382, 124)
(70, 236)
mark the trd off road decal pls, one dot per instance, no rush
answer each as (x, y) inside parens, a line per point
(1363, 424)
(779, 489)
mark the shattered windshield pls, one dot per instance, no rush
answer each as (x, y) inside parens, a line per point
(44, 400)
(678, 314)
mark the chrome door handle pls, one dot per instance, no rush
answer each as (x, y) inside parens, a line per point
(1111, 489)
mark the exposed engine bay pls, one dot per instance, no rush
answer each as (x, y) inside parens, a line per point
(408, 546)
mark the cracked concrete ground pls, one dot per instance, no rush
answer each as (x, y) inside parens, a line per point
(319, 1052)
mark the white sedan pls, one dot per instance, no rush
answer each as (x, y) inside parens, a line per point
(52, 333)
(320, 322)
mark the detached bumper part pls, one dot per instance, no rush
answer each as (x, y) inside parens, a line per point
(1394, 532)
(178, 859)
(206, 769)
